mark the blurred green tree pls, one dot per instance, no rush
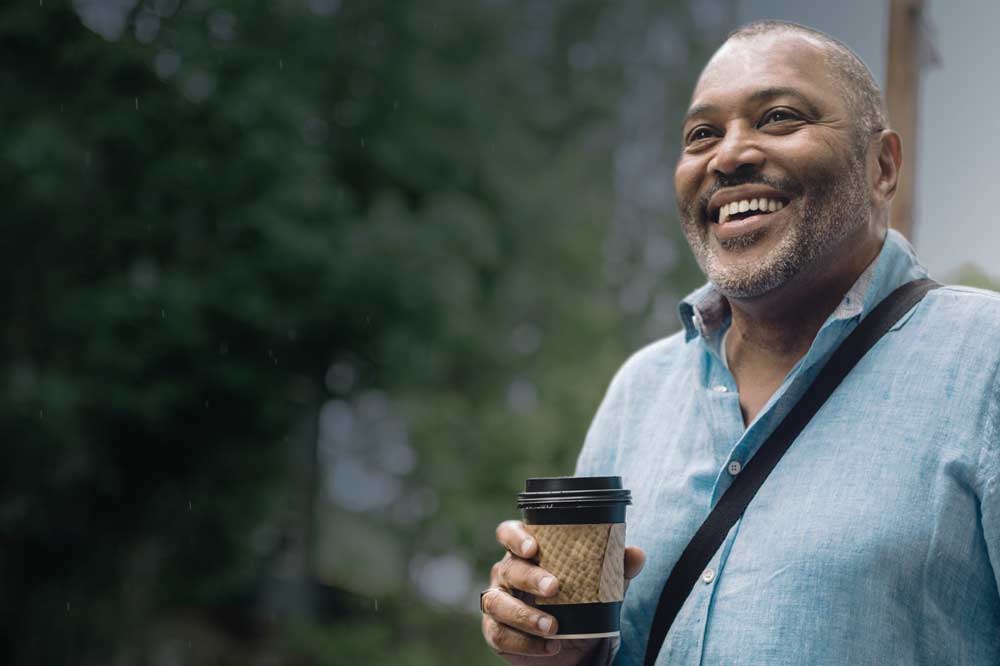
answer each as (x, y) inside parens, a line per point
(974, 276)
(308, 288)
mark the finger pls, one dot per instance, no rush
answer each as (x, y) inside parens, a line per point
(512, 536)
(514, 572)
(504, 639)
(510, 611)
(635, 558)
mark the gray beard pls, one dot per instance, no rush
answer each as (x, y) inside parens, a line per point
(833, 210)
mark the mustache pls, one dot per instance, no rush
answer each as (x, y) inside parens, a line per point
(722, 181)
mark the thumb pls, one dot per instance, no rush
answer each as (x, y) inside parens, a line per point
(634, 560)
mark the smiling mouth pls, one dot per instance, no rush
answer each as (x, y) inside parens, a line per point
(744, 208)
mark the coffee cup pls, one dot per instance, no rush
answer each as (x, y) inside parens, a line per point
(579, 524)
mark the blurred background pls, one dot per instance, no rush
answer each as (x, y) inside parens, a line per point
(300, 291)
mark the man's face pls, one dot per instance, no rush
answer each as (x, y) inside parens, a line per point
(770, 180)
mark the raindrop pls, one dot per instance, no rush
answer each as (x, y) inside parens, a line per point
(41, 413)
(281, 63)
(163, 313)
(86, 159)
(362, 142)
(136, 103)
(376, 604)
(190, 506)
(67, 603)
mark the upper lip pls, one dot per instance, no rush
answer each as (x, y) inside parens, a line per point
(731, 194)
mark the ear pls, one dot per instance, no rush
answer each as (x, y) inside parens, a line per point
(889, 159)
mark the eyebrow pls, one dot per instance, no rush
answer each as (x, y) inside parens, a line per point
(757, 97)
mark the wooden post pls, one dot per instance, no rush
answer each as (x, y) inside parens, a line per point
(906, 52)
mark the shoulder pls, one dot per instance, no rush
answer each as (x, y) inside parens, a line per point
(961, 295)
(963, 307)
(646, 372)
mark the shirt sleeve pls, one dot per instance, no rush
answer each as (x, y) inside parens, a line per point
(989, 486)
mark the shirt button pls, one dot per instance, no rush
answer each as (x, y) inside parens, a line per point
(720, 389)
(735, 467)
(708, 576)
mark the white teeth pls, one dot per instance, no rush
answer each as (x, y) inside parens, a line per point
(762, 203)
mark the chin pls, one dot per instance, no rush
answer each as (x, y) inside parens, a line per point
(751, 271)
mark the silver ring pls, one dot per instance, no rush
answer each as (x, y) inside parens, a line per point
(483, 593)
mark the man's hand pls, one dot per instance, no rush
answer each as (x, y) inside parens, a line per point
(518, 632)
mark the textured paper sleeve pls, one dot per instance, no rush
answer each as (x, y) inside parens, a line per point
(588, 560)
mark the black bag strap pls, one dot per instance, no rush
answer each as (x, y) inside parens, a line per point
(734, 501)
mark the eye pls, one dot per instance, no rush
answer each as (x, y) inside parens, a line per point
(700, 133)
(778, 116)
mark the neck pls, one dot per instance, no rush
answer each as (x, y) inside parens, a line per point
(775, 330)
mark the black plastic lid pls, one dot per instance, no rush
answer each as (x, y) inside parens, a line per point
(569, 492)
(563, 483)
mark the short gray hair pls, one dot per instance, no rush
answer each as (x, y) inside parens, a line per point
(862, 93)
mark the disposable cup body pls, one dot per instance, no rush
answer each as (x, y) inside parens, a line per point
(579, 524)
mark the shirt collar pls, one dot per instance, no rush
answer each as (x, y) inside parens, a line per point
(705, 311)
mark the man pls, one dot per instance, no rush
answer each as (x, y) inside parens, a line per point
(876, 539)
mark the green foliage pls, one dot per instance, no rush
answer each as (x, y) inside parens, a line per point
(226, 219)
(974, 276)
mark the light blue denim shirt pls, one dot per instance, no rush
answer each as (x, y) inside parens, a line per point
(876, 539)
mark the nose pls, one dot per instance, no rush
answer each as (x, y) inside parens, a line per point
(736, 152)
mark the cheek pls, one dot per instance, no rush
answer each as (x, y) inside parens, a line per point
(687, 178)
(812, 156)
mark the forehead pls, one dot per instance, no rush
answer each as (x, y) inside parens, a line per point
(770, 61)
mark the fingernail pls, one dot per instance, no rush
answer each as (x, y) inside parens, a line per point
(526, 545)
(545, 624)
(547, 585)
(552, 646)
